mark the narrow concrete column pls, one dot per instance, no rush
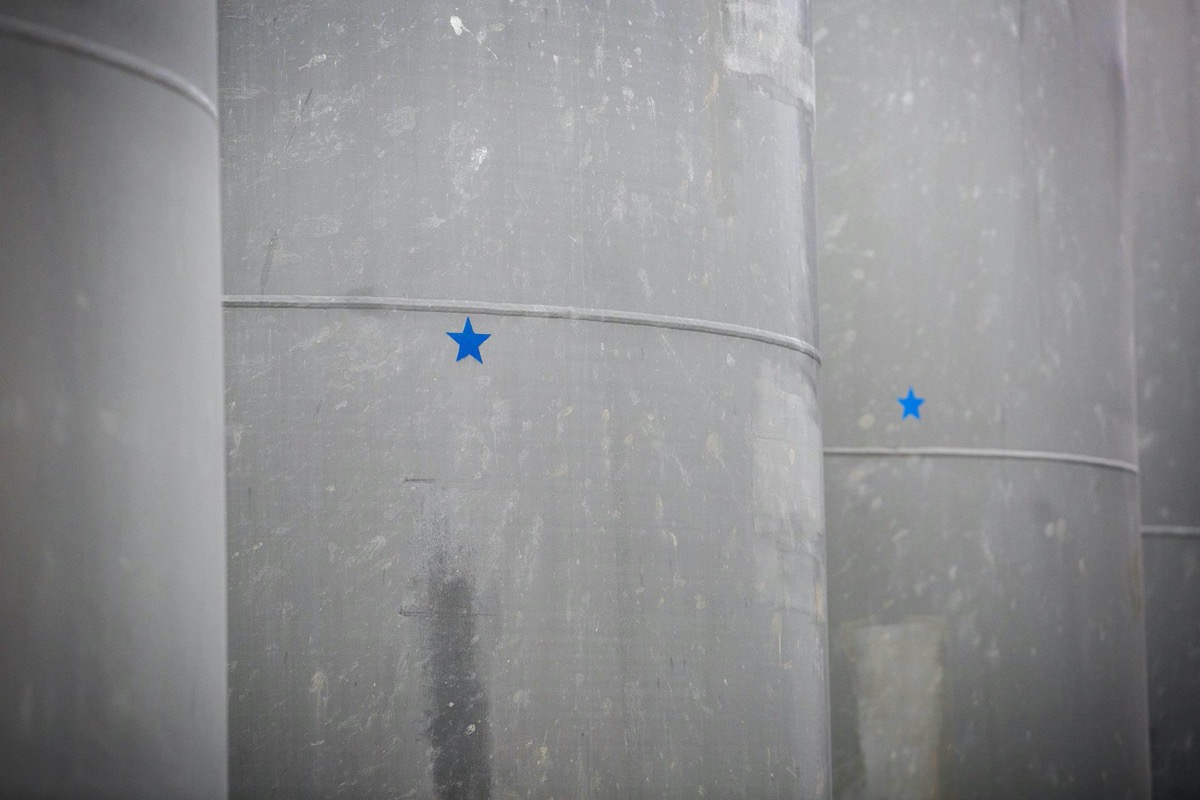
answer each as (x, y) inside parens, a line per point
(112, 549)
(970, 169)
(589, 562)
(1164, 135)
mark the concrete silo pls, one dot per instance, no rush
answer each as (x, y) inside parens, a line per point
(589, 562)
(986, 610)
(1164, 212)
(112, 550)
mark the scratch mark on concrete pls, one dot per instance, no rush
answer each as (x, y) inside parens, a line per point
(299, 118)
(272, 247)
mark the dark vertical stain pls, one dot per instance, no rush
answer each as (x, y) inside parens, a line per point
(458, 724)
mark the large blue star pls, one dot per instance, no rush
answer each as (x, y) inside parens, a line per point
(468, 342)
(912, 405)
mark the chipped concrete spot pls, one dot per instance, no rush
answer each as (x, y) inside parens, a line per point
(402, 120)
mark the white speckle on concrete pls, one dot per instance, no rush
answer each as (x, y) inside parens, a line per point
(836, 225)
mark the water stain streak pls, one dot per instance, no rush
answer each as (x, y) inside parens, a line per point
(458, 716)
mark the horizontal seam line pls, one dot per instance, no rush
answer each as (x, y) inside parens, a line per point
(981, 452)
(1171, 530)
(525, 310)
(75, 44)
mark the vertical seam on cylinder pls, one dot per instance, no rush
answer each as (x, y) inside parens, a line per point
(32, 32)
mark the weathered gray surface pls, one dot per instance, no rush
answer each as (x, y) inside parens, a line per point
(969, 169)
(1035, 576)
(1172, 631)
(1164, 116)
(112, 551)
(603, 544)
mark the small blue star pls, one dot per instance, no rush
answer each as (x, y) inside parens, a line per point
(912, 405)
(468, 342)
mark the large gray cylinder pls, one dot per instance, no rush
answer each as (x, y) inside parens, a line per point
(589, 564)
(112, 550)
(970, 169)
(1164, 133)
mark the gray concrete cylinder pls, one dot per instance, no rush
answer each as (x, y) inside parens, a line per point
(970, 169)
(591, 563)
(112, 516)
(1164, 133)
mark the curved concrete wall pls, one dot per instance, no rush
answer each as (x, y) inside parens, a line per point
(590, 564)
(1164, 116)
(112, 553)
(985, 585)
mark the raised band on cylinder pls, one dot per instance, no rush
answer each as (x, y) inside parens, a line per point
(526, 310)
(32, 32)
(985, 452)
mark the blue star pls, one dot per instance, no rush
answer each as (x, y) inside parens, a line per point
(468, 342)
(912, 405)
